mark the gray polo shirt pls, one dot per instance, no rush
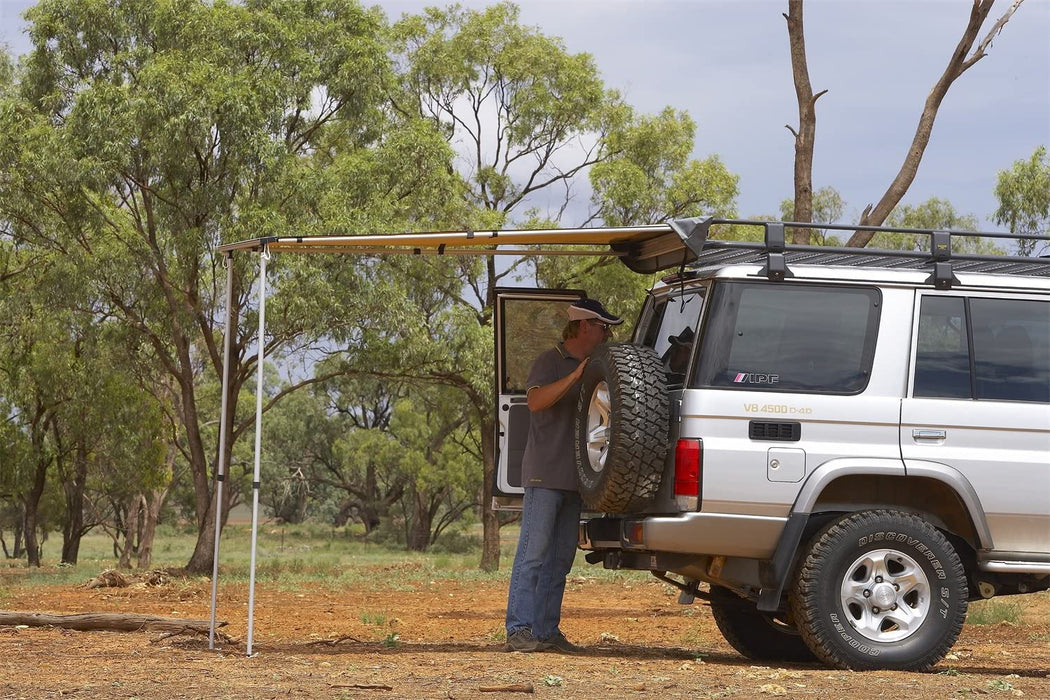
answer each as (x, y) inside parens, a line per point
(550, 459)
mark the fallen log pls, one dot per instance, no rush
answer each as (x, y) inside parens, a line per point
(112, 622)
(513, 688)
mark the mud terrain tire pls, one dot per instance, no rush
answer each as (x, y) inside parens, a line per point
(621, 428)
(880, 589)
(757, 635)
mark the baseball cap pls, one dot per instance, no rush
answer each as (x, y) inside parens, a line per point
(592, 308)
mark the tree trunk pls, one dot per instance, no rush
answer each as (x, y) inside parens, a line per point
(490, 521)
(203, 486)
(74, 491)
(807, 122)
(204, 502)
(154, 503)
(19, 543)
(131, 528)
(419, 532)
(32, 504)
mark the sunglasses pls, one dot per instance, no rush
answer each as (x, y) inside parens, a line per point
(603, 325)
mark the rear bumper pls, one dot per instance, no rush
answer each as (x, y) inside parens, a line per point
(720, 534)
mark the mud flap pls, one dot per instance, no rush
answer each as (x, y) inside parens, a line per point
(775, 574)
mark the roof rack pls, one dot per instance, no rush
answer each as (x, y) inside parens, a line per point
(776, 255)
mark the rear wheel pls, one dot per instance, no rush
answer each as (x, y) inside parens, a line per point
(757, 635)
(880, 590)
(621, 428)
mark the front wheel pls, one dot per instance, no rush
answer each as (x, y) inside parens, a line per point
(880, 590)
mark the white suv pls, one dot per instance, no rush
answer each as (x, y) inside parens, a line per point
(846, 445)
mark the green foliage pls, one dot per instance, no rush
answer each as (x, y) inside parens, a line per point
(373, 618)
(649, 176)
(935, 213)
(1024, 198)
(139, 136)
(828, 208)
(994, 612)
(939, 215)
(511, 95)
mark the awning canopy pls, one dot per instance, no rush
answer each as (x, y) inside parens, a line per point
(644, 249)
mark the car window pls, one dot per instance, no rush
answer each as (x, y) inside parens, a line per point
(530, 326)
(983, 348)
(942, 358)
(671, 332)
(1011, 345)
(790, 337)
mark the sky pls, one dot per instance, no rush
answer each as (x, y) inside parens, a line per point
(728, 65)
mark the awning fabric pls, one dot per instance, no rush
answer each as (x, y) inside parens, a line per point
(644, 249)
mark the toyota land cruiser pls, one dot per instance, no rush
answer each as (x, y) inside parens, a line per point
(844, 445)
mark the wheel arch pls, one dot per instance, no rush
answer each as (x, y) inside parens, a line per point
(933, 491)
(939, 493)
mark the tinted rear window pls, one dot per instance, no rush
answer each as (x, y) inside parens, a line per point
(983, 348)
(789, 337)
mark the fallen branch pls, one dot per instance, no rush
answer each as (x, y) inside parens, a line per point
(108, 579)
(363, 686)
(112, 622)
(333, 642)
(515, 688)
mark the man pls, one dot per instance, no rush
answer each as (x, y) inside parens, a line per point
(551, 510)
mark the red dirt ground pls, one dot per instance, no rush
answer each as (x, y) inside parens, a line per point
(444, 640)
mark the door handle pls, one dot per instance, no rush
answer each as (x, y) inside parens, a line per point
(926, 434)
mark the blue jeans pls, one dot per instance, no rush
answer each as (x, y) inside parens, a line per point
(550, 522)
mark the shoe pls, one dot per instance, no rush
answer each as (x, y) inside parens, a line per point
(558, 643)
(522, 640)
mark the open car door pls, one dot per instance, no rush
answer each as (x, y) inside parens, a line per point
(527, 322)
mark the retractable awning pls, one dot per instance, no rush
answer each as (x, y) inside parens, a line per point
(643, 249)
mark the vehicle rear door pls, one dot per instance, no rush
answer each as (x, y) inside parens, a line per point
(527, 322)
(978, 411)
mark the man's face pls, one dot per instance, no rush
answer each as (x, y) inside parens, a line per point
(595, 333)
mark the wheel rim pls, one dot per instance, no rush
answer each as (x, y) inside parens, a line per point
(598, 427)
(885, 595)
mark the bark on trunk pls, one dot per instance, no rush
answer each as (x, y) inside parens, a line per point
(32, 504)
(201, 559)
(135, 505)
(490, 552)
(154, 503)
(807, 123)
(74, 490)
(419, 533)
(119, 622)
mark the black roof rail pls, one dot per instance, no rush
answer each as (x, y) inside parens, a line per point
(776, 255)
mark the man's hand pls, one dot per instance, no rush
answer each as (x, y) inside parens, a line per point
(543, 397)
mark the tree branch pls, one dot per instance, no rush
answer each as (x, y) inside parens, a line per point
(956, 65)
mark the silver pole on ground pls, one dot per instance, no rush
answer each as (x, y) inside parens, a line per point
(220, 474)
(263, 257)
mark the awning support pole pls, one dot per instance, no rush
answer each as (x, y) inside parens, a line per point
(258, 439)
(220, 475)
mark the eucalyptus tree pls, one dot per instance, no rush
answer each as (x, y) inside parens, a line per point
(1023, 192)
(528, 120)
(187, 124)
(438, 465)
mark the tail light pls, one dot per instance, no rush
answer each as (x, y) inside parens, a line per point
(688, 468)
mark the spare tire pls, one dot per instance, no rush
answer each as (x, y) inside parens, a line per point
(621, 428)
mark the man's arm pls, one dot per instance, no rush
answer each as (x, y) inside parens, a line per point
(543, 397)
